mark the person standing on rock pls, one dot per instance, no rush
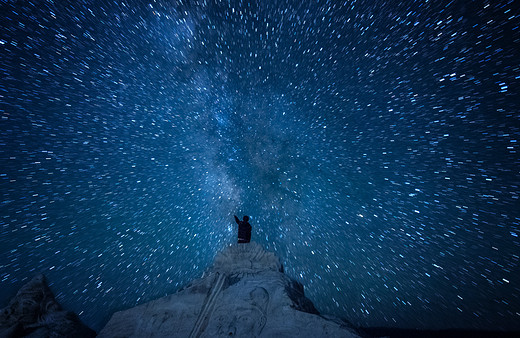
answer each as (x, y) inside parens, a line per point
(244, 230)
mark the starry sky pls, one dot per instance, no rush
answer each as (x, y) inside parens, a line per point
(374, 144)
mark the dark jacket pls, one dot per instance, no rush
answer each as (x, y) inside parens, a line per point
(244, 231)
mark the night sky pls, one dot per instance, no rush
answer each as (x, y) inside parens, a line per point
(375, 145)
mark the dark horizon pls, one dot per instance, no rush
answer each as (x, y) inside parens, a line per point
(374, 144)
(445, 333)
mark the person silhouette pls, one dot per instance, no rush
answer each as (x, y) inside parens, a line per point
(244, 230)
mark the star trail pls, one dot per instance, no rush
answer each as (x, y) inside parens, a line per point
(374, 144)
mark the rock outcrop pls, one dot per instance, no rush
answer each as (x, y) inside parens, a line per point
(34, 312)
(244, 294)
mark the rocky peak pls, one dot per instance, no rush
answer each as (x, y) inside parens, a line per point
(244, 294)
(35, 312)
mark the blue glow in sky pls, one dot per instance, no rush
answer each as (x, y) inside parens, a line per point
(375, 145)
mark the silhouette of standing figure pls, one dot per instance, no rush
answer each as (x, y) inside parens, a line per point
(244, 230)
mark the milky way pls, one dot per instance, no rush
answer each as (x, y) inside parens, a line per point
(375, 145)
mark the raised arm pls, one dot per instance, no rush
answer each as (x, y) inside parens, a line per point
(237, 220)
